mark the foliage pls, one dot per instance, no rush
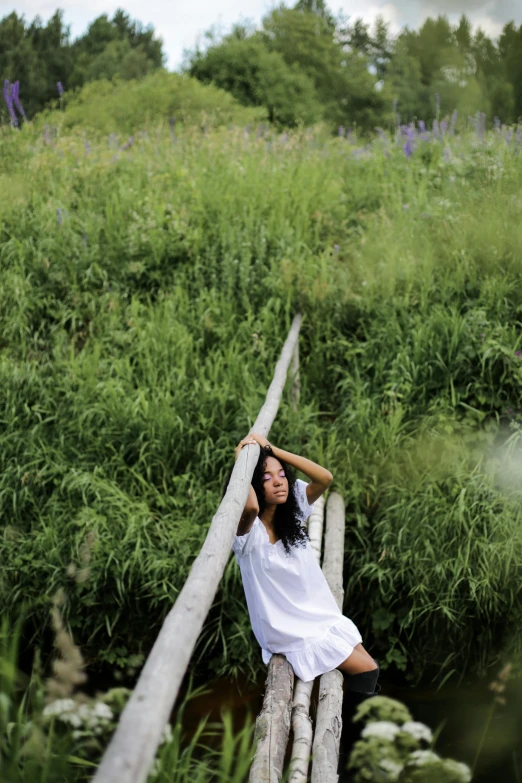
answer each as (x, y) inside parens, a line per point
(50, 740)
(256, 76)
(146, 295)
(397, 749)
(40, 56)
(120, 107)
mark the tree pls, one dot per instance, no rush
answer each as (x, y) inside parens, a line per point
(39, 56)
(510, 49)
(342, 79)
(258, 77)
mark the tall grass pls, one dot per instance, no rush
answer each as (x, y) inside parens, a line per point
(146, 293)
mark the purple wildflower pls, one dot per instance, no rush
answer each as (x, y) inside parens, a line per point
(9, 101)
(437, 102)
(336, 248)
(496, 123)
(15, 89)
(443, 128)
(422, 126)
(59, 216)
(60, 89)
(340, 131)
(128, 144)
(519, 354)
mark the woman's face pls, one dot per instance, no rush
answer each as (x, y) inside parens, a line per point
(275, 482)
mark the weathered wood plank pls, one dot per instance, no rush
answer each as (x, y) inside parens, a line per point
(301, 722)
(273, 723)
(325, 750)
(296, 380)
(133, 746)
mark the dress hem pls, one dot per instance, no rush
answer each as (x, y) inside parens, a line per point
(325, 653)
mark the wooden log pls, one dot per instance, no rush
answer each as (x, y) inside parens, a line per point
(296, 380)
(325, 750)
(301, 721)
(132, 749)
(273, 723)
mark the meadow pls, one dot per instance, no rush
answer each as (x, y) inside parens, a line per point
(148, 284)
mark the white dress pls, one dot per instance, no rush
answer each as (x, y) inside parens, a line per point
(291, 607)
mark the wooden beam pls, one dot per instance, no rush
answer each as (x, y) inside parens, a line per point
(301, 722)
(296, 380)
(328, 724)
(273, 723)
(132, 749)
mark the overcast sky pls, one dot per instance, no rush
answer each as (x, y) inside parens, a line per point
(180, 22)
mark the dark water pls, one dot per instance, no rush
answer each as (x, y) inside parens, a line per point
(459, 712)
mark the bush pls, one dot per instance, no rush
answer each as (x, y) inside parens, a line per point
(126, 106)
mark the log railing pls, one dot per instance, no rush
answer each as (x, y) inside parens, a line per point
(131, 751)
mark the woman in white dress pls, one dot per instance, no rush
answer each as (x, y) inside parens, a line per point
(291, 607)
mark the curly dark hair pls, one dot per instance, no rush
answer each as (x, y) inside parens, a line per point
(287, 524)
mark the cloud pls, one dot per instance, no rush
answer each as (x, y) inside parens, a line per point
(500, 11)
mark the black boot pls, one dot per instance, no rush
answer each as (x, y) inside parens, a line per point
(358, 688)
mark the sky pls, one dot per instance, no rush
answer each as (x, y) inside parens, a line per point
(180, 22)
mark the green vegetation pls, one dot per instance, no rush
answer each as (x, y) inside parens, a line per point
(39, 56)
(364, 76)
(146, 295)
(122, 106)
(302, 65)
(149, 278)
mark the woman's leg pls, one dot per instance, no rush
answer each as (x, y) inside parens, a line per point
(358, 661)
(360, 672)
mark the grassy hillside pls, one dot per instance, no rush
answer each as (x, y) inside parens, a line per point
(146, 293)
(125, 107)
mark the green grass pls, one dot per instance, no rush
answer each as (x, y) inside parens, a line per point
(139, 329)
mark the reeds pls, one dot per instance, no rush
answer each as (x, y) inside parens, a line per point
(138, 334)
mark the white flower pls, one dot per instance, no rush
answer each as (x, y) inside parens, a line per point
(383, 729)
(418, 730)
(103, 711)
(461, 769)
(59, 706)
(420, 757)
(73, 718)
(392, 768)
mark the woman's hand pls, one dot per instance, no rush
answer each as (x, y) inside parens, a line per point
(260, 439)
(244, 442)
(252, 438)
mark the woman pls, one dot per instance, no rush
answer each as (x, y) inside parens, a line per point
(291, 607)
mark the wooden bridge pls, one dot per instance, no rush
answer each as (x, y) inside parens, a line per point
(130, 754)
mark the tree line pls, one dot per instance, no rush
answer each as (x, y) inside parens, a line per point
(303, 64)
